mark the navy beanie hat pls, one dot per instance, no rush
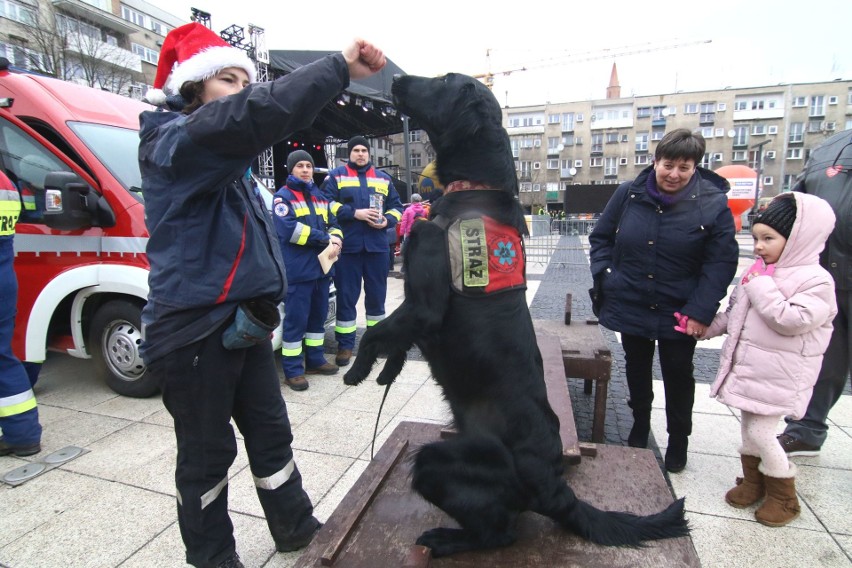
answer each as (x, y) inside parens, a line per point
(357, 141)
(297, 156)
(780, 215)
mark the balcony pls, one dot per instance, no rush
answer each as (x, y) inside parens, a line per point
(90, 47)
(101, 17)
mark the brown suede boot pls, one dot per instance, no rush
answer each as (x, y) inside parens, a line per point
(750, 487)
(781, 505)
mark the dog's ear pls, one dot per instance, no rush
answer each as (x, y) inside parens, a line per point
(473, 112)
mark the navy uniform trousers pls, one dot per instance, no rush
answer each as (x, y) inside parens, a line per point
(204, 385)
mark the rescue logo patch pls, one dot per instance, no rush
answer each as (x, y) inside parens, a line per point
(281, 209)
(485, 256)
(503, 254)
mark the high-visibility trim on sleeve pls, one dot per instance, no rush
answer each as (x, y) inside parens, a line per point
(300, 234)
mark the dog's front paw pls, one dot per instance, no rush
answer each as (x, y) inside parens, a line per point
(353, 377)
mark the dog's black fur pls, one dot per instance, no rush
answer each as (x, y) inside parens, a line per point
(507, 456)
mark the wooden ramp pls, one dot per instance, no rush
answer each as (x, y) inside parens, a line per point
(379, 520)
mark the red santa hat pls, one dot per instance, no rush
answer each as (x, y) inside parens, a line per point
(193, 52)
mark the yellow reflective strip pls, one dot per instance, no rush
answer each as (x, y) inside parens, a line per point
(8, 196)
(346, 329)
(336, 232)
(395, 214)
(301, 211)
(303, 238)
(291, 349)
(313, 342)
(20, 408)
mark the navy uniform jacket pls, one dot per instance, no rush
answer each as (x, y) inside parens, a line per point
(304, 223)
(348, 188)
(212, 244)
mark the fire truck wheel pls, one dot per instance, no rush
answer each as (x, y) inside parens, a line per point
(114, 340)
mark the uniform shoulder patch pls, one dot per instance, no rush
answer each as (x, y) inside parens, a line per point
(281, 209)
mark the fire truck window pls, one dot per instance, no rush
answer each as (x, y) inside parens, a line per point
(28, 163)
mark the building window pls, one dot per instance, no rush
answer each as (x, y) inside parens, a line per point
(740, 136)
(526, 187)
(611, 137)
(707, 132)
(690, 108)
(552, 164)
(794, 153)
(554, 119)
(721, 107)
(832, 100)
(414, 136)
(773, 129)
(567, 139)
(814, 126)
(800, 101)
(705, 161)
(578, 163)
(536, 165)
(789, 179)
(767, 180)
(797, 131)
(758, 129)
(817, 107)
(146, 54)
(657, 135)
(757, 105)
(739, 156)
(552, 144)
(416, 160)
(741, 105)
(641, 141)
(611, 167)
(645, 112)
(642, 159)
(597, 142)
(132, 15)
(536, 187)
(18, 12)
(595, 162)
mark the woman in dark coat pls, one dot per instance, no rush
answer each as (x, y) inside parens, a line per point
(664, 248)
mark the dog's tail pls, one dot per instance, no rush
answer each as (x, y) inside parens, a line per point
(611, 528)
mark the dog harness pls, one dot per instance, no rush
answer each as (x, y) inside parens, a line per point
(485, 257)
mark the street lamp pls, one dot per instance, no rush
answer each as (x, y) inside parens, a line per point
(759, 148)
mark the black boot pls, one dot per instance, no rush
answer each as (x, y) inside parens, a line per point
(676, 453)
(638, 437)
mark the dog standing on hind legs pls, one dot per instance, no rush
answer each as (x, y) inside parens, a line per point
(465, 309)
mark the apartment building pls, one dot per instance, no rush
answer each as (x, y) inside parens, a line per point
(109, 44)
(610, 140)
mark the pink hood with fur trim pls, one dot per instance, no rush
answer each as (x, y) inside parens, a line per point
(779, 326)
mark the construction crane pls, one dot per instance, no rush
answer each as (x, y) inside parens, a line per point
(606, 53)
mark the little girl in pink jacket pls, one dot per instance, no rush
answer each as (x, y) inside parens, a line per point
(779, 322)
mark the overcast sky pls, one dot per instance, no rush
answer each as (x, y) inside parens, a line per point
(752, 43)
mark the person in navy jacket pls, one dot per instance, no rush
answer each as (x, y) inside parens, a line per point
(366, 204)
(212, 251)
(305, 227)
(664, 245)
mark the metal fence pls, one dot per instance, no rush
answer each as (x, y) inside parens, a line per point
(550, 242)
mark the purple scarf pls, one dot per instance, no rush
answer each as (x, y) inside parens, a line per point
(663, 197)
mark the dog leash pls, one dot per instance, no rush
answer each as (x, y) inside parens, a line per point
(378, 416)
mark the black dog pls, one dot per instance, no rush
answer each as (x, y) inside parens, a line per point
(473, 326)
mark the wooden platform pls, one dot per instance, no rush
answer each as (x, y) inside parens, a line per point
(380, 518)
(585, 355)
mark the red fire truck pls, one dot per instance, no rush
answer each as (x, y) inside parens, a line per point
(80, 241)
